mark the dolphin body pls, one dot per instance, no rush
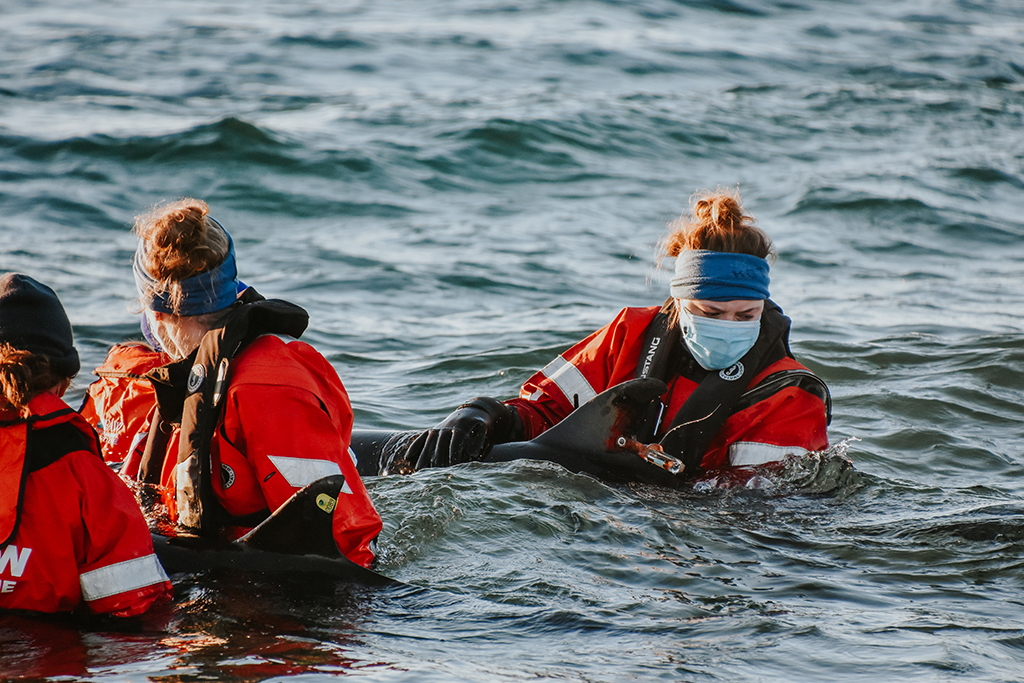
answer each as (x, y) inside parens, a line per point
(589, 440)
(299, 537)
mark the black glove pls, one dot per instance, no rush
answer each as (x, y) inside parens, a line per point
(465, 435)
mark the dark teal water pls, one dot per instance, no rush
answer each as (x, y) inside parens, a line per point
(457, 192)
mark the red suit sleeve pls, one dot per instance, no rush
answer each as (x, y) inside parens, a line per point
(791, 421)
(287, 423)
(118, 570)
(287, 440)
(603, 359)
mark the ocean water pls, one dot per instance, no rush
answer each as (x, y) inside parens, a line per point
(457, 192)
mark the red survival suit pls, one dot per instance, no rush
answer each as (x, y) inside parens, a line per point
(787, 417)
(70, 530)
(281, 419)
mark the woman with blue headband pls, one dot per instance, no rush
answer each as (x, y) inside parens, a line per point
(225, 410)
(719, 343)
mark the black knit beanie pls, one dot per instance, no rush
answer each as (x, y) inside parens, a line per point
(32, 319)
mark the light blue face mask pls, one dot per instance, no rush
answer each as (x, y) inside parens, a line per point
(717, 344)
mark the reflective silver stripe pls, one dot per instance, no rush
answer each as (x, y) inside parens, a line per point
(299, 472)
(122, 577)
(746, 453)
(569, 379)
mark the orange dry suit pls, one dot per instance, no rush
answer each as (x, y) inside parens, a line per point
(233, 431)
(760, 410)
(120, 403)
(70, 531)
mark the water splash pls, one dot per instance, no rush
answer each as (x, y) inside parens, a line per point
(826, 472)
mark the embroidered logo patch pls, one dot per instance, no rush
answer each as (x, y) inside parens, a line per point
(196, 378)
(227, 476)
(732, 373)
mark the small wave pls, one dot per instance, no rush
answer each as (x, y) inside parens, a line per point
(339, 40)
(504, 151)
(227, 136)
(979, 541)
(831, 198)
(727, 7)
(999, 523)
(526, 140)
(228, 143)
(986, 175)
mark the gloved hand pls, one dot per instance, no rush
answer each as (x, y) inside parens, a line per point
(465, 435)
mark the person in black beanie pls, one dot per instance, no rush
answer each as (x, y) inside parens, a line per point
(33, 320)
(72, 536)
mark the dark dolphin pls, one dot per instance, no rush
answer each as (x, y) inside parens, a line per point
(597, 438)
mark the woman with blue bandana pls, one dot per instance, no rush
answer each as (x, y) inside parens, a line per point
(225, 411)
(735, 392)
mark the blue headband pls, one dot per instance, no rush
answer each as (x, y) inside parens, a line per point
(719, 276)
(210, 291)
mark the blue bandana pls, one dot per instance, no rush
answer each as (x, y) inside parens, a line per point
(206, 292)
(719, 276)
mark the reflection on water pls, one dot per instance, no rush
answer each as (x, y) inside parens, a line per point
(225, 626)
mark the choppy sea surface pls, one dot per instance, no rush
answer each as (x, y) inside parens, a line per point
(457, 192)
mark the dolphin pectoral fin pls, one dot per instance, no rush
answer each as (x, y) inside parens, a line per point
(596, 425)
